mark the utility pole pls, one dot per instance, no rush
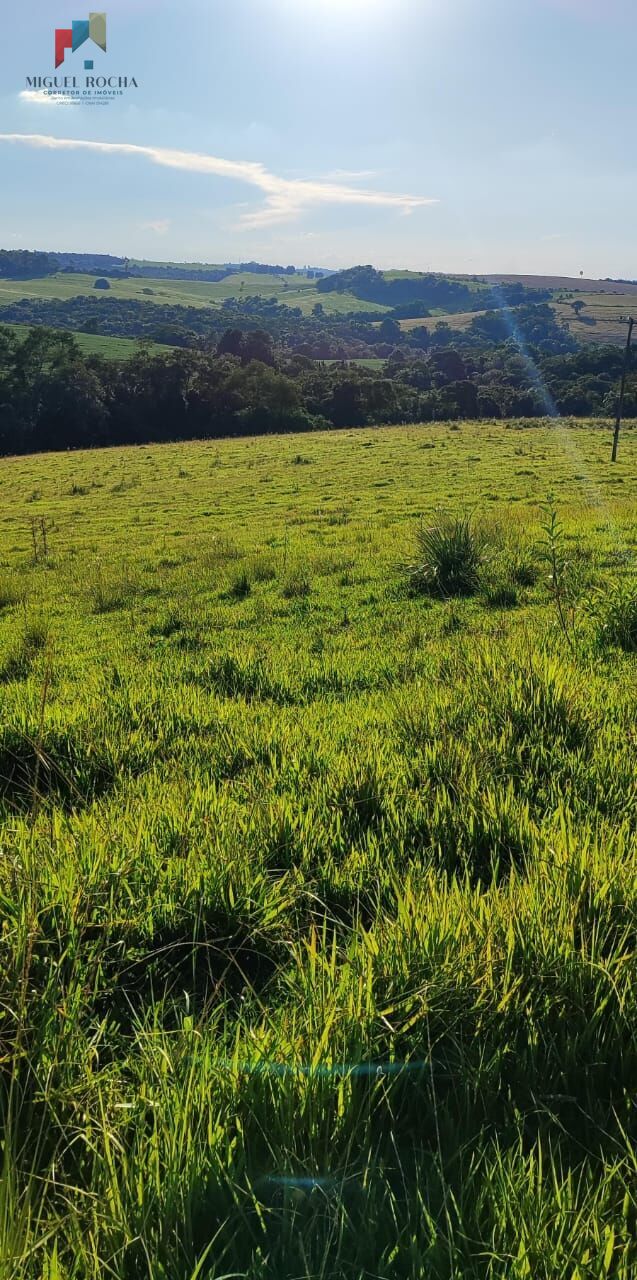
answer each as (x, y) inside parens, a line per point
(620, 409)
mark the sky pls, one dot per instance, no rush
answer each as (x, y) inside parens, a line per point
(447, 135)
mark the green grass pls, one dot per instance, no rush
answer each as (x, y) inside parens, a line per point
(319, 896)
(97, 345)
(458, 320)
(288, 290)
(364, 363)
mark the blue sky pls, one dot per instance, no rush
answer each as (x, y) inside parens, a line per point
(461, 135)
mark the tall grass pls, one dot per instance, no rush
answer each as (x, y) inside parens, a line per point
(450, 555)
(318, 926)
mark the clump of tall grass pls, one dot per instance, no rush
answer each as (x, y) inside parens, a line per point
(30, 642)
(499, 593)
(614, 615)
(537, 701)
(297, 586)
(263, 568)
(240, 586)
(220, 551)
(234, 677)
(10, 592)
(107, 588)
(450, 555)
(511, 568)
(523, 568)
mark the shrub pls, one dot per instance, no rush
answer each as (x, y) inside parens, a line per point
(450, 557)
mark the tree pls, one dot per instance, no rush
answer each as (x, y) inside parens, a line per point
(258, 346)
(101, 283)
(390, 331)
(231, 344)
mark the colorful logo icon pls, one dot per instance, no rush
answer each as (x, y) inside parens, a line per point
(93, 28)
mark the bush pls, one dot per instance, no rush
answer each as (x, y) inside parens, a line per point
(450, 558)
(614, 613)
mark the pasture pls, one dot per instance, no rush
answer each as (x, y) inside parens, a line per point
(95, 344)
(290, 291)
(601, 319)
(319, 880)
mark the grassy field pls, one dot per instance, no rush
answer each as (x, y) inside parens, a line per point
(91, 344)
(364, 362)
(288, 290)
(601, 320)
(458, 320)
(569, 284)
(319, 890)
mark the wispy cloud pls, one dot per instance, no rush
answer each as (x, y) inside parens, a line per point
(285, 198)
(160, 226)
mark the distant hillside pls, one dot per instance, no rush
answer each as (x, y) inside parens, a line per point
(571, 284)
(413, 295)
(24, 264)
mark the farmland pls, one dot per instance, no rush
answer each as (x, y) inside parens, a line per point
(598, 317)
(93, 344)
(290, 291)
(319, 883)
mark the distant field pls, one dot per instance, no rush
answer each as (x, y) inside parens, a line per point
(95, 345)
(568, 283)
(604, 303)
(474, 284)
(364, 362)
(289, 291)
(605, 309)
(456, 320)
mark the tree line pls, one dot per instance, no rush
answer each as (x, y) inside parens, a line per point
(411, 295)
(320, 336)
(54, 397)
(26, 264)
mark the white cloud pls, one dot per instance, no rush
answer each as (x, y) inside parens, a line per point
(43, 99)
(285, 198)
(160, 226)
